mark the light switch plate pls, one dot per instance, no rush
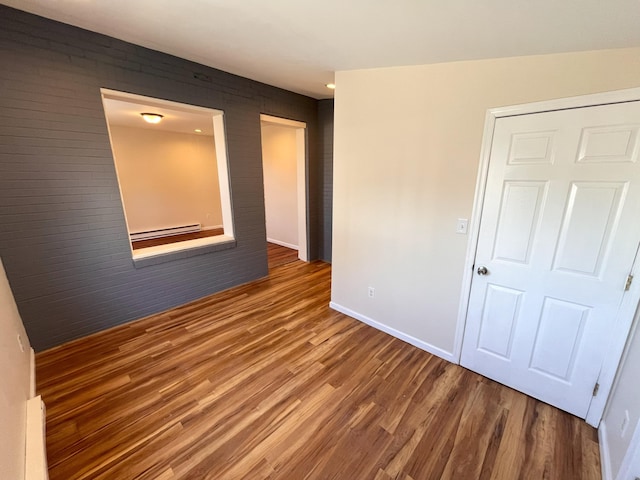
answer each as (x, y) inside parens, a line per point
(461, 226)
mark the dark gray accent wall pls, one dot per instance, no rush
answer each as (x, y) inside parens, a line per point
(63, 238)
(325, 175)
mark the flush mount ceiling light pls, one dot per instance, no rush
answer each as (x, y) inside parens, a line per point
(152, 117)
(331, 86)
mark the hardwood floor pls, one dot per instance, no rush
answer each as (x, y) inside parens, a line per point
(154, 242)
(264, 381)
(279, 255)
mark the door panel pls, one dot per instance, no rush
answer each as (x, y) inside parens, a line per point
(518, 220)
(558, 236)
(590, 216)
(535, 148)
(609, 144)
(558, 338)
(502, 306)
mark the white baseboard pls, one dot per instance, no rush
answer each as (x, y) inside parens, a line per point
(605, 457)
(282, 244)
(422, 345)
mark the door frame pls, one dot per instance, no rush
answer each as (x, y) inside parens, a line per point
(301, 178)
(630, 299)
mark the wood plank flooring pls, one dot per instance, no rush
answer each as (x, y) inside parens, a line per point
(279, 255)
(264, 381)
(154, 242)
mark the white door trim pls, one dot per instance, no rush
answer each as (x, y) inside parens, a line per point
(301, 182)
(631, 298)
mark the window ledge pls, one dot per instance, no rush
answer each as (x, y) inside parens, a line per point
(144, 257)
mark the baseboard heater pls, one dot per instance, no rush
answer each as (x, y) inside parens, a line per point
(165, 232)
(36, 450)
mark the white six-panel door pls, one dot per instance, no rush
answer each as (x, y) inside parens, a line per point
(558, 236)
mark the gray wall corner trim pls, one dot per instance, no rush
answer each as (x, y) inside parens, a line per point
(325, 175)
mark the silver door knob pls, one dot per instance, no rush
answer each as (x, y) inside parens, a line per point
(482, 271)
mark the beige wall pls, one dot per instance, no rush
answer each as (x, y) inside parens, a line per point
(280, 188)
(166, 178)
(15, 385)
(406, 152)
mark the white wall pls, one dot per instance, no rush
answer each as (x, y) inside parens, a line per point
(406, 151)
(280, 188)
(15, 386)
(624, 398)
(166, 178)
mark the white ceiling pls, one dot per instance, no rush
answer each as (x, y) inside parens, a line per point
(126, 112)
(298, 44)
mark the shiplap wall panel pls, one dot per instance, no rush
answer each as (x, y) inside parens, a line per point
(63, 237)
(325, 175)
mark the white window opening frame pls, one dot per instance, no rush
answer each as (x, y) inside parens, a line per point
(170, 251)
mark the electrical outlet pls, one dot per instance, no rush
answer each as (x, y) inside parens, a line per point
(625, 423)
(372, 292)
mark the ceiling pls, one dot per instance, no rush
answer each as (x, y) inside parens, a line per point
(298, 45)
(126, 112)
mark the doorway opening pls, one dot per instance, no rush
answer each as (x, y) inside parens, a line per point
(284, 162)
